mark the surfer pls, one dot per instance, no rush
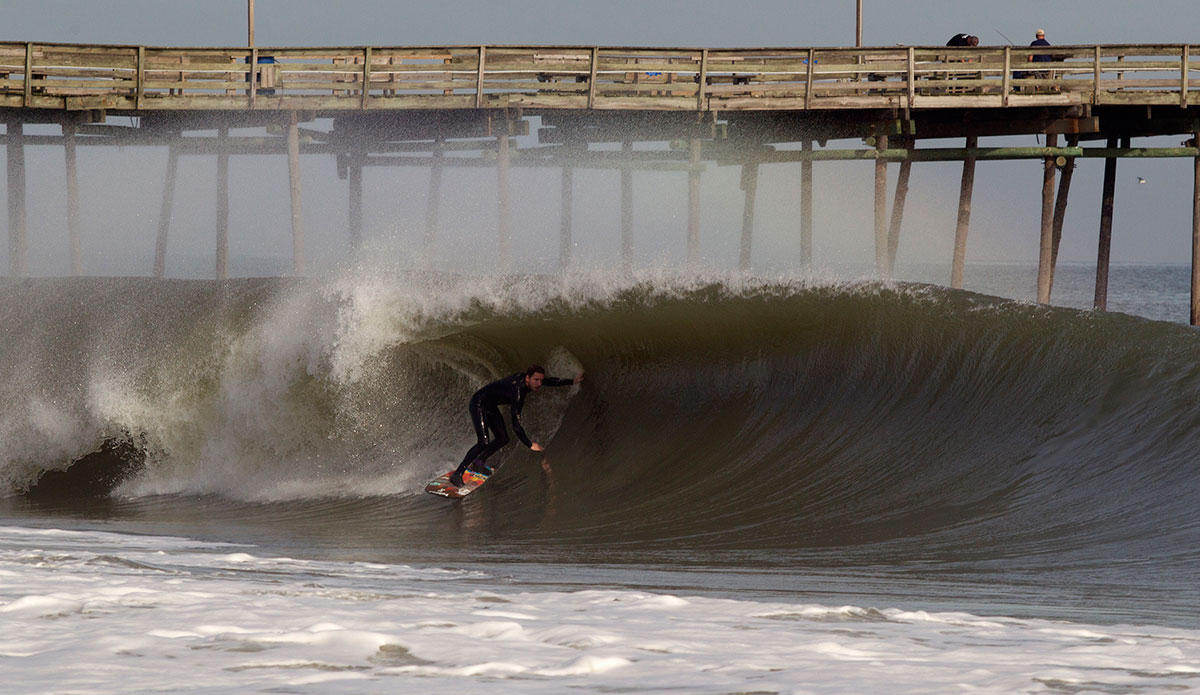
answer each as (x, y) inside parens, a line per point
(485, 415)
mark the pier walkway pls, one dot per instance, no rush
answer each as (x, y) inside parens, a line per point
(143, 79)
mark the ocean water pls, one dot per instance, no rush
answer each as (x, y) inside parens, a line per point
(768, 484)
(1159, 292)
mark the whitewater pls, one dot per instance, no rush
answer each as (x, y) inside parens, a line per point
(87, 612)
(763, 485)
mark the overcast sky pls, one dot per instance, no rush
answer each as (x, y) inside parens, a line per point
(1152, 222)
(611, 22)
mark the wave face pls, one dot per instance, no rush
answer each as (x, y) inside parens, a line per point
(835, 423)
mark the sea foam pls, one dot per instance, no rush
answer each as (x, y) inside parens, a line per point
(107, 612)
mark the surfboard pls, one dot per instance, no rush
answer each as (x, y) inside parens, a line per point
(441, 484)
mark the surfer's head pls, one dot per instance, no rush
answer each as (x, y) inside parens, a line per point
(534, 376)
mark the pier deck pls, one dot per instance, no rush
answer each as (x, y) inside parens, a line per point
(141, 78)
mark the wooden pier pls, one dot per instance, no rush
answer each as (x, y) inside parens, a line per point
(413, 106)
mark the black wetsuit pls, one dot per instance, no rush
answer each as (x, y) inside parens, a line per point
(485, 415)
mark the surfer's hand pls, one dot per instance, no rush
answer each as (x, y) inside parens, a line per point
(536, 447)
(578, 377)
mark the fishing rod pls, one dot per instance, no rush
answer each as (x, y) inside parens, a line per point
(1037, 137)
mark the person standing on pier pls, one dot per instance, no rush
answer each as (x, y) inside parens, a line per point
(1040, 40)
(961, 40)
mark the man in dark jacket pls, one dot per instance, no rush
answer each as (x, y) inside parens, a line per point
(485, 415)
(1040, 40)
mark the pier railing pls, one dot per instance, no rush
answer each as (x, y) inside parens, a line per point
(77, 77)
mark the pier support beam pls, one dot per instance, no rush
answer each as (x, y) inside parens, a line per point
(1195, 320)
(504, 199)
(222, 270)
(433, 202)
(18, 243)
(965, 191)
(693, 221)
(750, 186)
(164, 213)
(627, 209)
(1060, 208)
(806, 207)
(1106, 214)
(73, 233)
(881, 209)
(893, 244)
(293, 145)
(1045, 269)
(567, 215)
(355, 209)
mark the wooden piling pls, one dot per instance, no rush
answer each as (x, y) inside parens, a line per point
(806, 206)
(164, 213)
(17, 232)
(73, 233)
(1045, 269)
(898, 212)
(881, 209)
(693, 221)
(1105, 245)
(298, 261)
(750, 186)
(1060, 208)
(567, 216)
(356, 202)
(1195, 321)
(504, 196)
(627, 211)
(433, 202)
(222, 270)
(965, 191)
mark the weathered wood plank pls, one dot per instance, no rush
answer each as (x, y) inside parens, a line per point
(665, 103)
(549, 102)
(480, 76)
(591, 100)
(28, 73)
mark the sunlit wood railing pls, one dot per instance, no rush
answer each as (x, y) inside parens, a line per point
(74, 77)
